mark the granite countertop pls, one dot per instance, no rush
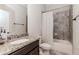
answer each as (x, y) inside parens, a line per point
(8, 48)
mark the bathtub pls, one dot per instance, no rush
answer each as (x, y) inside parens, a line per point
(61, 47)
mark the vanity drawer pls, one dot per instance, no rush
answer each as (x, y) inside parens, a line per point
(26, 49)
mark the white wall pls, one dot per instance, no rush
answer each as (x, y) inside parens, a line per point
(20, 17)
(76, 30)
(34, 19)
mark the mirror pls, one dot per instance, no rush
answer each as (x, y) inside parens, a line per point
(13, 18)
(4, 20)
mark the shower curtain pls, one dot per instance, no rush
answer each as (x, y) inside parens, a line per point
(47, 27)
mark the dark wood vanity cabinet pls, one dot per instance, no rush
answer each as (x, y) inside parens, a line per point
(30, 49)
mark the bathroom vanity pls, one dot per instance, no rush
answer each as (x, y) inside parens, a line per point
(20, 46)
(30, 49)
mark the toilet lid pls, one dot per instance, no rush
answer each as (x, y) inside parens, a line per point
(45, 46)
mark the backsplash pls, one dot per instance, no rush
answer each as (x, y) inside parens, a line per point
(13, 36)
(10, 37)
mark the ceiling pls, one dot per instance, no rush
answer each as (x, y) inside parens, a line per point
(24, 5)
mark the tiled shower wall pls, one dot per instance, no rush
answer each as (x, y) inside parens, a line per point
(61, 25)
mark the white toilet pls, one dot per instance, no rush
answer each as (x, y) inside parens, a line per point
(45, 49)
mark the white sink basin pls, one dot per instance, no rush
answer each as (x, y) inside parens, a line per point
(19, 41)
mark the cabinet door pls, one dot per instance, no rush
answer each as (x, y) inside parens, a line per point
(24, 50)
(34, 51)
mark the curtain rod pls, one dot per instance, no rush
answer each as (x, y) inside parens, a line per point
(54, 9)
(75, 17)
